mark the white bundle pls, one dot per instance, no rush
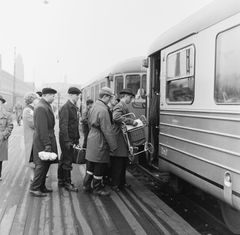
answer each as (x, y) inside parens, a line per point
(47, 156)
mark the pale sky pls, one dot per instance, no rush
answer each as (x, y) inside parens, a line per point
(80, 39)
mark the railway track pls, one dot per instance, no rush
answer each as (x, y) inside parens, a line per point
(196, 207)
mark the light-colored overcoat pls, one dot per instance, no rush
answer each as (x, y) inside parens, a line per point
(6, 126)
(119, 110)
(28, 130)
(101, 139)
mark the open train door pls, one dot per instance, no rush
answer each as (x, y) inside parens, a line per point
(153, 105)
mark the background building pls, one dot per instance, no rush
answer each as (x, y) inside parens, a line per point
(13, 93)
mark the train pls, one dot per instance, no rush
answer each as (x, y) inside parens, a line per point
(129, 73)
(193, 81)
(191, 97)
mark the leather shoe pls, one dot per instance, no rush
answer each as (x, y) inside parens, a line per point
(115, 188)
(70, 187)
(37, 193)
(46, 190)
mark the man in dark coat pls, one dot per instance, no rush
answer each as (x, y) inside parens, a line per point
(119, 157)
(43, 140)
(101, 140)
(68, 136)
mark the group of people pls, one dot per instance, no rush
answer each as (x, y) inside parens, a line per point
(106, 149)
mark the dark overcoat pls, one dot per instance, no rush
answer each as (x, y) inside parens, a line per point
(119, 110)
(44, 122)
(6, 126)
(69, 123)
(101, 138)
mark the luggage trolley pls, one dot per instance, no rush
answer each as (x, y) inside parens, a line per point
(135, 136)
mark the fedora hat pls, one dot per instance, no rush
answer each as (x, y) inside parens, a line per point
(106, 91)
(3, 100)
(127, 91)
(48, 90)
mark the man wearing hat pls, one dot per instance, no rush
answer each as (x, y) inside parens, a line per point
(6, 126)
(101, 140)
(119, 157)
(43, 140)
(68, 136)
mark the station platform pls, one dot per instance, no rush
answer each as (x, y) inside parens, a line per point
(131, 211)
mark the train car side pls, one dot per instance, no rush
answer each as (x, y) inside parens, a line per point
(199, 134)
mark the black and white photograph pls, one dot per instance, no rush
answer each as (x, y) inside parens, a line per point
(120, 117)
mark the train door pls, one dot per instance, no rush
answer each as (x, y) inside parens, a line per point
(154, 106)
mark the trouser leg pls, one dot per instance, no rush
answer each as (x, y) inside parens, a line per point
(0, 169)
(117, 165)
(40, 172)
(98, 187)
(87, 181)
(123, 171)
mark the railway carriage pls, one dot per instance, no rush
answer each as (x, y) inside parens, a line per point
(194, 103)
(127, 74)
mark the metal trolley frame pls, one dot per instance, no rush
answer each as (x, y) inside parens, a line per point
(135, 137)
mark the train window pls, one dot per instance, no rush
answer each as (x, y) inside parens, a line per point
(96, 91)
(92, 93)
(118, 84)
(144, 85)
(103, 84)
(227, 74)
(133, 82)
(180, 76)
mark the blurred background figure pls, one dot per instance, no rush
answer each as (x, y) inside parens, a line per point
(18, 112)
(6, 127)
(30, 99)
(85, 126)
(39, 93)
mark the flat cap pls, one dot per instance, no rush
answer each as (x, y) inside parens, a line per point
(106, 91)
(48, 90)
(3, 100)
(74, 90)
(39, 93)
(127, 91)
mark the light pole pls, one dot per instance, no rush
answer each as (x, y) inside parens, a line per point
(14, 79)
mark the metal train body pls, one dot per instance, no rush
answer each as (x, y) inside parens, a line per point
(194, 88)
(128, 74)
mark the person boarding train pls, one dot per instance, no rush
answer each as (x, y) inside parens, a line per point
(101, 140)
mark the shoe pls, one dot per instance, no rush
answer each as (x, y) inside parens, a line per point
(70, 187)
(101, 192)
(37, 193)
(116, 188)
(46, 190)
(125, 186)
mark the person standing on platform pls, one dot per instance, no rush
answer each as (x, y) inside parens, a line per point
(31, 99)
(68, 136)
(119, 158)
(6, 126)
(43, 140)
(85, 126)
(101, 140)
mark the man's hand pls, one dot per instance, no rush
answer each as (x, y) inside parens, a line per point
(48, 148)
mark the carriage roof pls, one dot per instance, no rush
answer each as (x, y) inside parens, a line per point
(211, 14)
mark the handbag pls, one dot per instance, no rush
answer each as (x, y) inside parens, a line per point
(79, 155)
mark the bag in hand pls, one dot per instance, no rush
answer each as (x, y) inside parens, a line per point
(79, 155)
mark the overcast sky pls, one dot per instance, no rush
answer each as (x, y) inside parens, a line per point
(78, 39)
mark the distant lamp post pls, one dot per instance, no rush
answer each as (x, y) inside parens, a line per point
(14, 80)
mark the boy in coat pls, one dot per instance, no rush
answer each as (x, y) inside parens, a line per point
(101, 140)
